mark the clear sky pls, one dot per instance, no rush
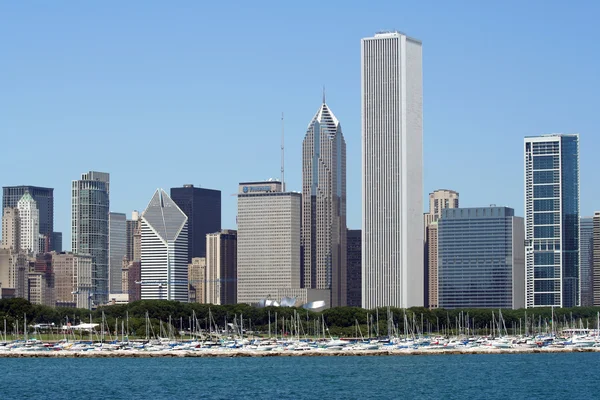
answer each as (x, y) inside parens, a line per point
(165, 93)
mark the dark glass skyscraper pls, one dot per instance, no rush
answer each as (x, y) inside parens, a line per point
(203, 209)
(354, 270)
(44, 197)
(552, 220)
(586, 246)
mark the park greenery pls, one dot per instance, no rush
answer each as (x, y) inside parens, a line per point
(340, 321)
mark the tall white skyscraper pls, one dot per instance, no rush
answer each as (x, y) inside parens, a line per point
(392, 165)
(164, 250)
(29, 217)
(324, 206)
(552, 221)
(89, 227)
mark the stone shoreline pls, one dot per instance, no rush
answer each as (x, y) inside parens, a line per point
(287, 353)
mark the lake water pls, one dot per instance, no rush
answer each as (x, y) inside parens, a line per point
(465, 377)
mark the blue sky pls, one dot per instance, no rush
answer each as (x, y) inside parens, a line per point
(165, 93)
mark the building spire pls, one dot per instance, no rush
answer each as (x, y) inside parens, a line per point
(323, 94)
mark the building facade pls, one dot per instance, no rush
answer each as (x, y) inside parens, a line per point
(29, 218)
(552, 220)
(89, 227)
(72, 279)
(164, 267)
(203, 209)
(44, 198)
(268, 240)
(354, 269)
(221, 267)
(392, 176)
(117, 250)
(11, 229)
(438, 200)
(596, 260)
(324, 206)
(197, 280)
(481, 258)
(586, 249)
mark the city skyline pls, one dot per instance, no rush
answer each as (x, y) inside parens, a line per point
(464, 99)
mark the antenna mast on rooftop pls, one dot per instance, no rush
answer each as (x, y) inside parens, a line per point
(282, 156)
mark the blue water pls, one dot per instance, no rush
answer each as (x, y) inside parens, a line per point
(465, 377)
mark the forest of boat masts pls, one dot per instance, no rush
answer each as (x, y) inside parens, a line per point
(152, 319)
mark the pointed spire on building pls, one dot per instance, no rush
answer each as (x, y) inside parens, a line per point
(323, 94)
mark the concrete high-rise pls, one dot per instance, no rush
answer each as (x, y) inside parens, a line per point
(72, 279)
(164, 267)
(268, 240)
(11, 229)
(596, 260)
(117, 250)
(392, 171)
(197, 280)
(29, 217)
(481, 258)
(221, 267)
(89, 227)
(552, 220)
(44, 198)
(203, 209)
(324, 206)
(586, 250)
(354, 270)
(438, 201)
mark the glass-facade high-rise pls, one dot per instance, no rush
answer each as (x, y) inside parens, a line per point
(117, 250)
(203, 209)
(89, 227)
(481, 260)
(552, 220)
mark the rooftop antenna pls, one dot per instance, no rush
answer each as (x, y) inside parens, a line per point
(282, 156)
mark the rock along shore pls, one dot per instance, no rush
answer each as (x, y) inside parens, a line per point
(287, 353)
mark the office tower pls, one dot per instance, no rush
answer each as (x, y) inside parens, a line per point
(324, 206)
(392, 177)
(596, 260)
(44, 198)
(164, 266)
(56, 242)
(89, 227)
(197, 280)
(438, 201)
(41, 288)
(117, 250)
(354, 270)
(481, 258)
(131, 280)
(221, 267)
(132, 228)
(203, 209)
(72, 279)
(268, 240)
(552, 220)
(586, 251)
(29, 218)
(14, 267)
(11, 229)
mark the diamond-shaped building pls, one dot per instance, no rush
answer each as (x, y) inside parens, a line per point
(164, 270)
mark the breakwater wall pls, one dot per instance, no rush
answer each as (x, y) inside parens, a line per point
(287, 353)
